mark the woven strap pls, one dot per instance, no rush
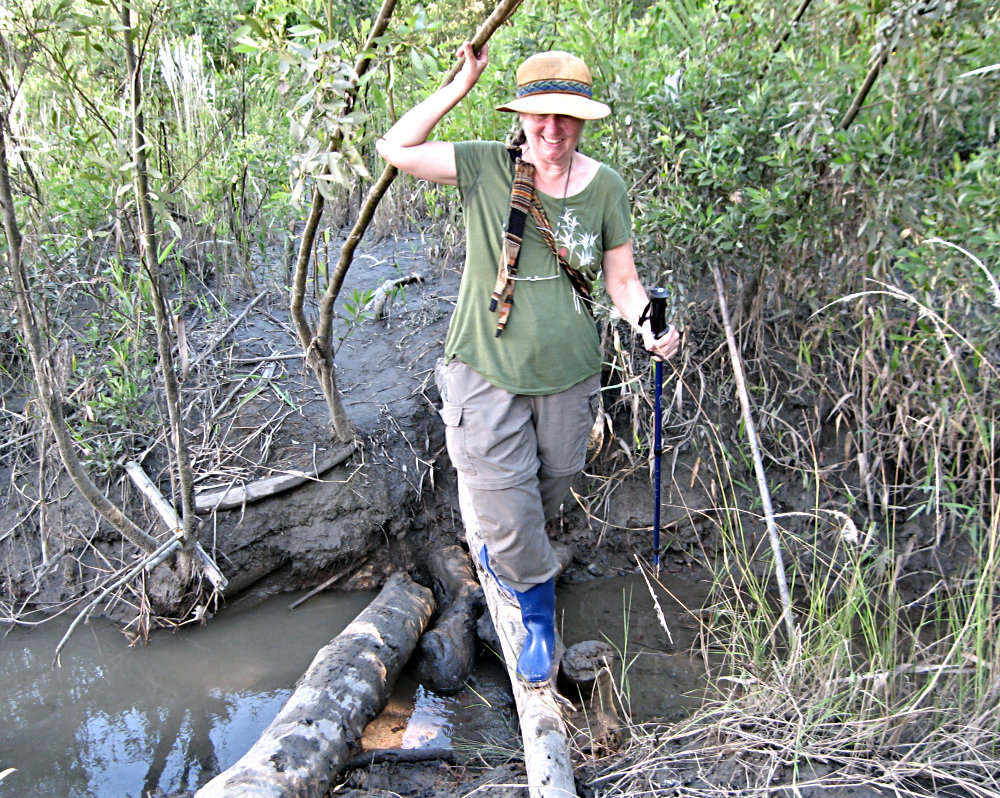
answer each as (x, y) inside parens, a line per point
(521, 194)
(524, 200)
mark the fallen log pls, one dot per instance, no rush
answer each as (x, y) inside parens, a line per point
(585, 673)
(397, 756)
(345, 687)
(236, 496)
(327, 583)
(448, 651)
(540, 710)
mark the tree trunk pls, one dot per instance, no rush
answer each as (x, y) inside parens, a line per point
(866, 87)
(345, 687)
(149, 251)
(796, 18)
(49, 392)
(318, 346)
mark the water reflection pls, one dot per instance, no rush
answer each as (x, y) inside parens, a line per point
(429, 725)
(118, 722)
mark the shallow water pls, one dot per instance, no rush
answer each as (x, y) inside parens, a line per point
(118, 721)
(113, 721)
(652, 628)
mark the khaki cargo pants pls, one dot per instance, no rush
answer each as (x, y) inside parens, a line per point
(518, 456)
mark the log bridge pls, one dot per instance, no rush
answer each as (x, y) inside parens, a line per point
(315, 736)
(347, 684)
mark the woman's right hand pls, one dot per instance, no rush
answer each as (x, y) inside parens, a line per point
(473, 65)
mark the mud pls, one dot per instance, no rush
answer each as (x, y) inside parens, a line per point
(365, 518)
(345, 519)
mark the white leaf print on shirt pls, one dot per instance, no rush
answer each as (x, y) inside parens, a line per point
(577, 246)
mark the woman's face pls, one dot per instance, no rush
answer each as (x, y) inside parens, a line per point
(552, 137)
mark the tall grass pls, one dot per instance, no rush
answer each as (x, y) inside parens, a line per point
(892, 679)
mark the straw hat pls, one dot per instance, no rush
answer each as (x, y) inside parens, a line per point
(555, 83)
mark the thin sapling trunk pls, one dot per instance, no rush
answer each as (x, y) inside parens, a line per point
(150, 259)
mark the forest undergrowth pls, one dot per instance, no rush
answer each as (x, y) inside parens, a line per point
(836, 165)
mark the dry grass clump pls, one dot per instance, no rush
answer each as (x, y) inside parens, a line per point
(896, 699)
(728, 750)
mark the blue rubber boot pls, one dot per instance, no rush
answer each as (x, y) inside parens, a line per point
(506, 591)
(538, 614)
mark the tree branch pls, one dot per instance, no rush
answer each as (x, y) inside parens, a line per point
(150, 260)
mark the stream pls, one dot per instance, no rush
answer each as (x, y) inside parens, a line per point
(113, 721)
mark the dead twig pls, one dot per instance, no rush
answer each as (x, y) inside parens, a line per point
(751, 433)
(268, 373)
(169, 516)
(383, 293)
(158, 555)
(232, 326)
(326, 583)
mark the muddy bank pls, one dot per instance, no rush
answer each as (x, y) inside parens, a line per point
(272, 422)
(254, 413)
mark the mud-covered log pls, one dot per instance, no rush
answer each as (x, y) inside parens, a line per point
(585, 675)
(396, 756)
(448, 651)
(540, 710)
(345, 687)
(581, 664)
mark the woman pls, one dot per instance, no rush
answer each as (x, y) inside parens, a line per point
(524, 374)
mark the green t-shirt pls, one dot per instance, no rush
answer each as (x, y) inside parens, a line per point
(550, 342)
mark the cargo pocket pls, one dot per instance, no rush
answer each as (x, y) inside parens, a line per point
(579, 424)
(595, 404)
(454, 437)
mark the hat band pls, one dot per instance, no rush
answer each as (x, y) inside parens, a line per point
(558, 86)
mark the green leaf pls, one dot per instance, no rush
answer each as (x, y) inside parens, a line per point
(305, 30)
(165, 252)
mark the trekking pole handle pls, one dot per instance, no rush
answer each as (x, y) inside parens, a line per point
(656, 312)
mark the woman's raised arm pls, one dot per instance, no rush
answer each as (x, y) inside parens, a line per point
(405, 145)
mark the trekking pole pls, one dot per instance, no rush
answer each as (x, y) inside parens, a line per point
(656, 312)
